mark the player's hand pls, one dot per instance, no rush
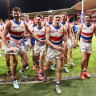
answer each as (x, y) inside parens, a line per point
(59, 48)
(11, 49)
(42, 41)
(76, 43)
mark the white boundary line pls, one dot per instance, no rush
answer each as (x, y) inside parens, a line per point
(36, 81)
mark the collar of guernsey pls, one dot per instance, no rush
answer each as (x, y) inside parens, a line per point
(87, 32)
(40, 32)
(56, 34)
(17, 30)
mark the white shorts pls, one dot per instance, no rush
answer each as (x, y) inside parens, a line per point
(18, 50)
(52, 53)
(26, 43)
(39, 50)
(86, 47)
(69, 43)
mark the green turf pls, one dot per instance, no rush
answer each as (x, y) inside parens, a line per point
(73, 71)
(77, 87)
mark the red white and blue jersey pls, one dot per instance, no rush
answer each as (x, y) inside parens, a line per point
(66, 26)
(16, 32)
(47, 23)
(40, 33)
(56, 34)
(87, 32)
(29, 23)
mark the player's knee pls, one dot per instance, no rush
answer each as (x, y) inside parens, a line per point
(65, 56)
(83, 59)
(15, 61)
(8, 61)
(47, 68)
(70, 51)
(15, 65)
(59, 70)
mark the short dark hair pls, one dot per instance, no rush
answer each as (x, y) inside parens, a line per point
(88, 15)
(64, 13)
(39, 15)
(50, 14)
(6, 20)
(1, 20)
(26, 14)
(56, 13)
(16, 9)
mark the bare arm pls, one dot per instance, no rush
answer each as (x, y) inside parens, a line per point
(78, 33)
(27, 35)
(48, 38)
(73, 34)
(43, 23)
(65, 39)
(5, 32)
(70, 32)
(49, 42)
(31, 33)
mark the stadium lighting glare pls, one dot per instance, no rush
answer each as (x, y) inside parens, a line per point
(50, 11)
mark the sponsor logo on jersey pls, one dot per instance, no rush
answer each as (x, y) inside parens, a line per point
(14, 26)
(52, 31)
(22, 26)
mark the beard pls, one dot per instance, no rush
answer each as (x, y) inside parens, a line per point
(16, 17)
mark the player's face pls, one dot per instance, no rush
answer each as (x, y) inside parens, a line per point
(1, 22)
(57, 18)
(16, 14)
(6, 21)
(38, 20)
(63, 17)
(46, 18)
(50, 18)
(87, 19)
(26, 17)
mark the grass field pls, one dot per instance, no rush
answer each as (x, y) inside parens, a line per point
(69, 87)
(74, 87)
(73, 71)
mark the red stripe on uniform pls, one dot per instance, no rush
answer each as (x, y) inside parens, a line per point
(8, 38)
(87, 34)
(40, 36)
(16, 33)
(56, 38)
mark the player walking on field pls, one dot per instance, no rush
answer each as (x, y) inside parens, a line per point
(86, 29)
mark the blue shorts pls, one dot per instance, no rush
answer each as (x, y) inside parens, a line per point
(32, 41)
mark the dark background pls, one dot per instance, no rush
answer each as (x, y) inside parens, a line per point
(34, 5)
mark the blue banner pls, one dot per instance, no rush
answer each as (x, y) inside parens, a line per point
(82, 17)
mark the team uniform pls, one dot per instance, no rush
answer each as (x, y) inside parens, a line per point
(48, 24)
(31, 38)
(56, 36)
(26, 40)
(6, 48)
(66, 26)
(16, 37)
(7, 38)
(86, 37)
(39, 47)
(1, 29)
